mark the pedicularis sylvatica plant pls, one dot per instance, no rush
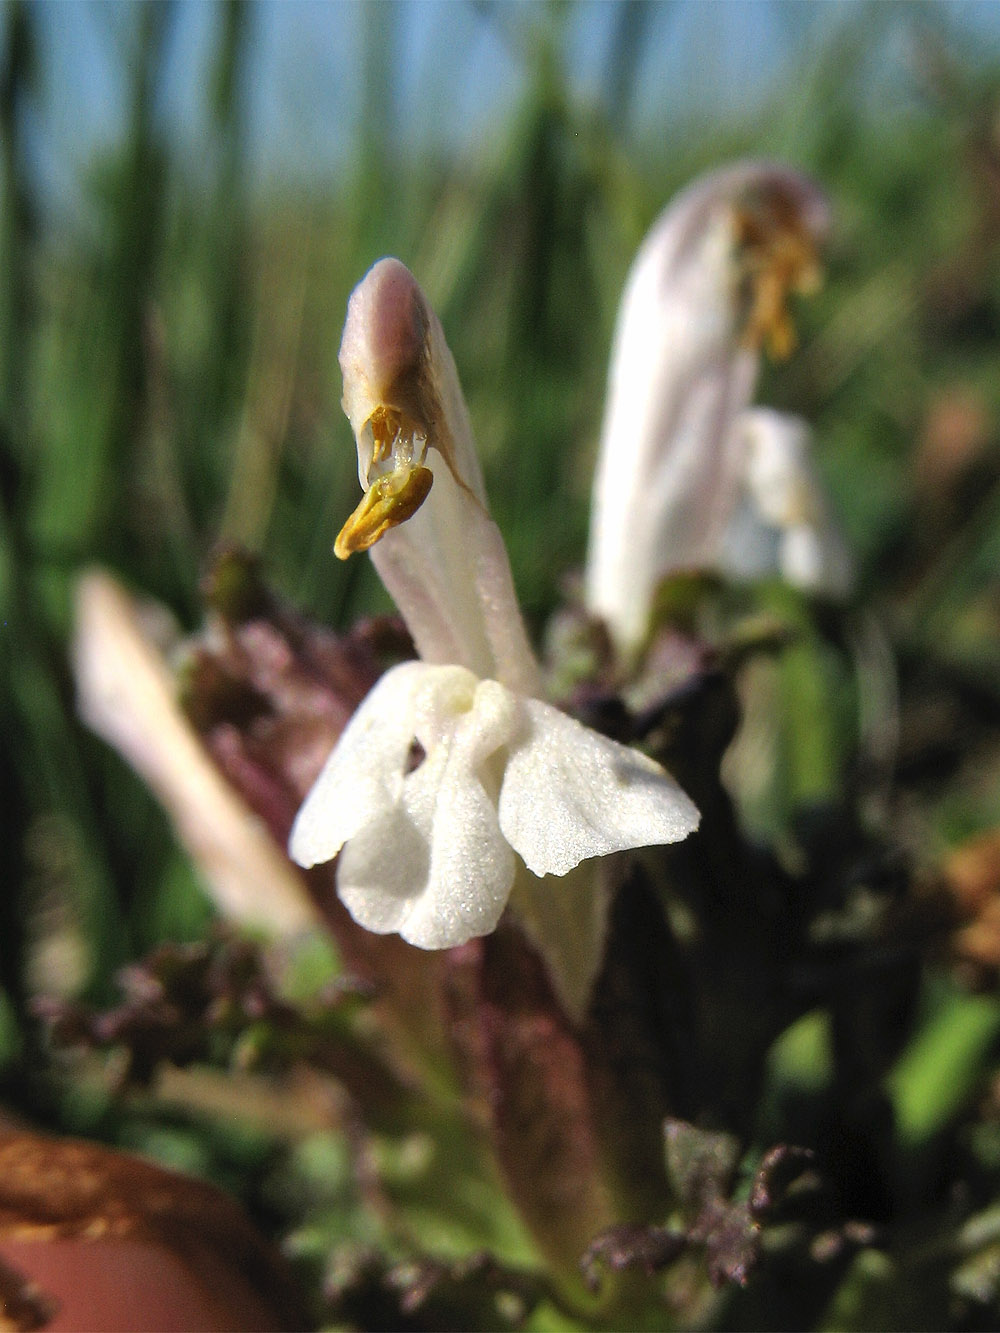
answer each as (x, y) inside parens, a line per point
(641, 1047)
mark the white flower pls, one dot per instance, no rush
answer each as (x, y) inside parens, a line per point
(453, 778)
(707, 288)
(428, 851)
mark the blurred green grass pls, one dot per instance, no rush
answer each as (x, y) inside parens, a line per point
(168, 379)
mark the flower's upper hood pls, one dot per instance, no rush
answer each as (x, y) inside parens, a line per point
(708, 288)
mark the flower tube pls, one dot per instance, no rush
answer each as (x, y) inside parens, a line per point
(707, 290)
(453, 778)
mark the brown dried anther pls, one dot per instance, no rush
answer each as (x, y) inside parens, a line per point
(777, 248)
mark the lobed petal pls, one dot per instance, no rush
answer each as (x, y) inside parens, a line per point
(436, 867)
(362, 779)
(569, 793)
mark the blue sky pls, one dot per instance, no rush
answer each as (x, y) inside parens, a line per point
(455, 68)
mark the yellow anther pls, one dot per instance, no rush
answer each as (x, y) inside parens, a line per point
(386, 426)
(777, 255)
(391, 500)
